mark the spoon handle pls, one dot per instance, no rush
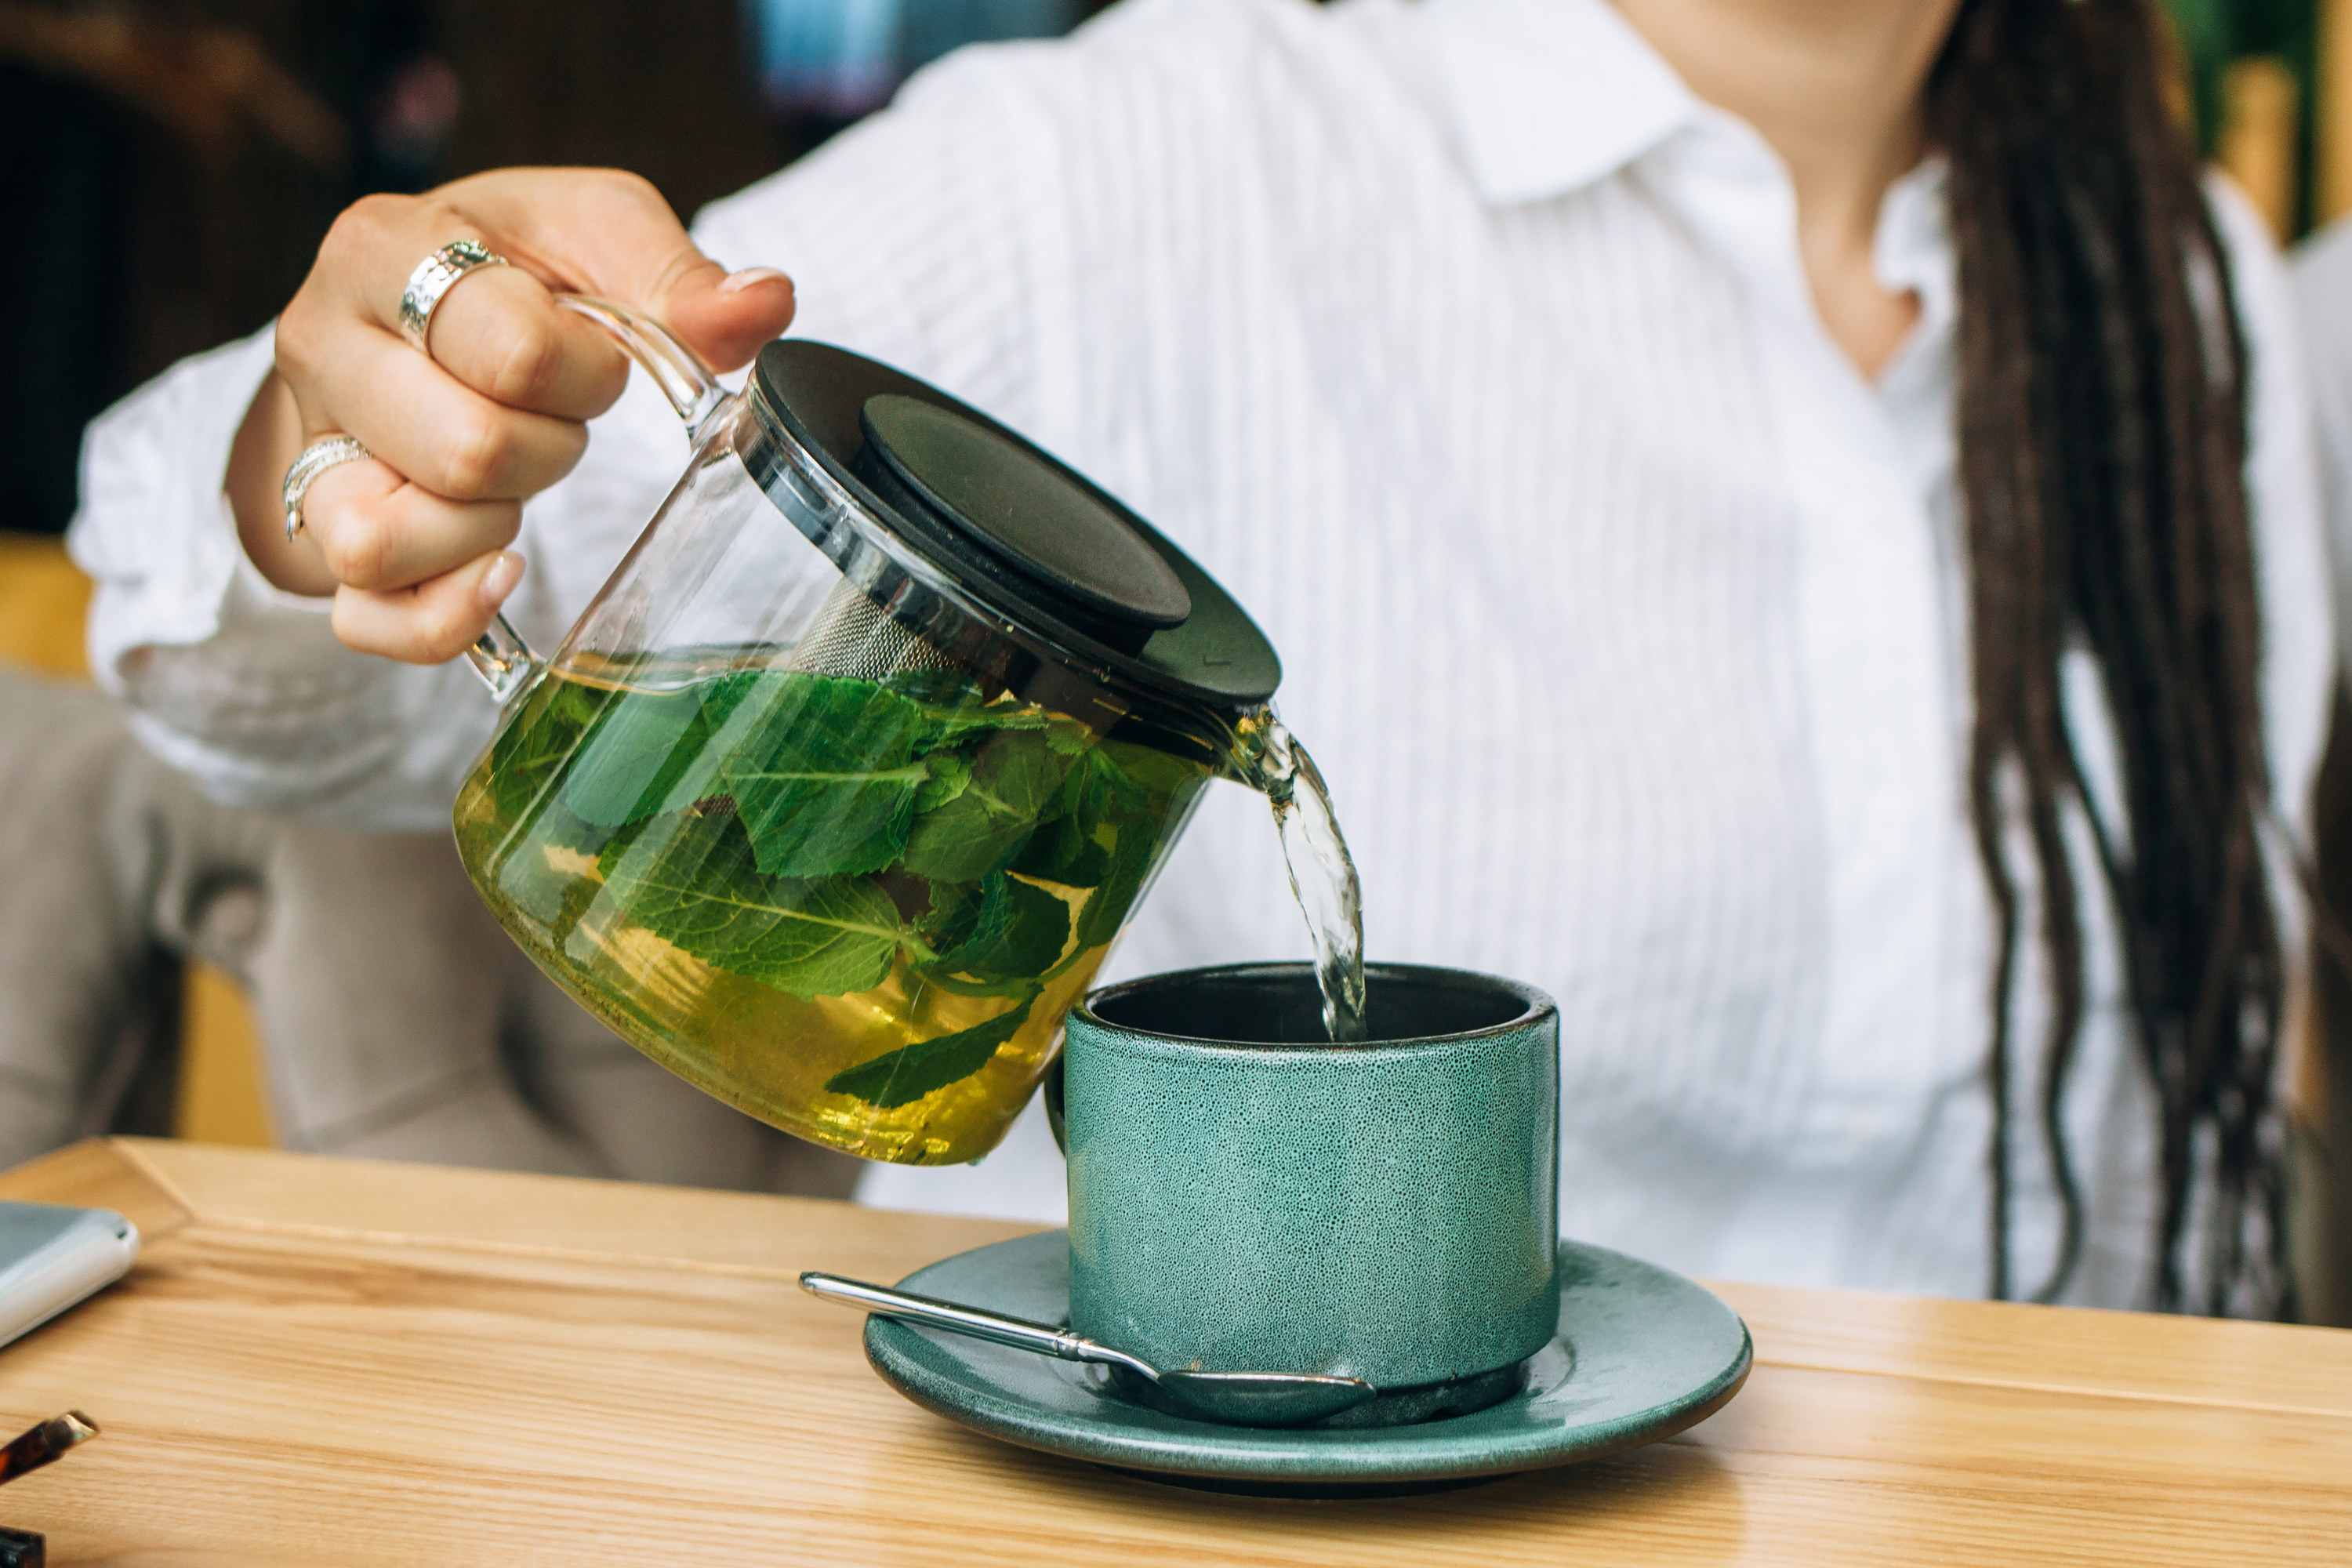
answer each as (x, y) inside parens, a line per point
(972, 1322)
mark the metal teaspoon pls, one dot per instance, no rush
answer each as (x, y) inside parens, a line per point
(1233, 1398)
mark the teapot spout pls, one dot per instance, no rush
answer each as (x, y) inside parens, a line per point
(504, 660)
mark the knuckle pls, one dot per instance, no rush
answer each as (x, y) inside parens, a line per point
(442, 630)
(301, 328)
(504, 522)
(363, 228)
(357, 544)
(570, 445)
(477, 455)
(678, 266)
(609, 377)
(352, 627)
(631, 189)
(527, 363)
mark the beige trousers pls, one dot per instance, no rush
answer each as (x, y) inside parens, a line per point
(397, 1019)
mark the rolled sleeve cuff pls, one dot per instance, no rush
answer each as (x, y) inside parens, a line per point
(236, 683)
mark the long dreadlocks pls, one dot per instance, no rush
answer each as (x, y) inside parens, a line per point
(2102, 423)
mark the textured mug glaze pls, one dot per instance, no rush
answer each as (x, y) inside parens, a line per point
(1387, 1211)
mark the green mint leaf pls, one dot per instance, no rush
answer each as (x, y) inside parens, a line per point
(820, 823)
(1062, 851)
(809, 833)
(1107, 906)
(702, 754)
(942, 686)
(950, 774)
(1019, 933)
(1153, 771)
(952, 726)
(954, 708)
(546, 876)
(1013, 778)
(694, 880)
(953, 913)
(910, 1072)
(625, 766)
(822, 772)
(530, 753)
(1096, 787)
(967, 921)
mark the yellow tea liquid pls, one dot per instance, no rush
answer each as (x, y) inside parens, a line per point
(856, 911)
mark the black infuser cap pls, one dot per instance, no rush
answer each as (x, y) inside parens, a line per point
(1015, 528)
(1015, 504)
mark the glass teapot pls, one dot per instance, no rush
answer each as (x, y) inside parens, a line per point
(834, 799)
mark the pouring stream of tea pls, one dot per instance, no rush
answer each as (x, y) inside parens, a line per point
(1322, 877)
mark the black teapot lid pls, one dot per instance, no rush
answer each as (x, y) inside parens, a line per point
(1018, 529)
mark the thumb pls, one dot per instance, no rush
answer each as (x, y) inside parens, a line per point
(609, 233)
(728, 317)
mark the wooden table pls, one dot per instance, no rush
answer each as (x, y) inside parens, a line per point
(324, 1361)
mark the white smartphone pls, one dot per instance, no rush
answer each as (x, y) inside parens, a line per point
(52, 1257)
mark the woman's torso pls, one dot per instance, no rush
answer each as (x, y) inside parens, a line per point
(1618, 609)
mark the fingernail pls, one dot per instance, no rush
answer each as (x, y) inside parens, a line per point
(500, 579)
(745, 279)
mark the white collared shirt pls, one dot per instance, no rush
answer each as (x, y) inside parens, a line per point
(1477, 358)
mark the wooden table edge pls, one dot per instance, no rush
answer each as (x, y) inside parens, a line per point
(104, 1173)
(115, 1172)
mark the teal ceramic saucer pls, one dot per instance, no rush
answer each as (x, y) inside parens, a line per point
(1642, 1353)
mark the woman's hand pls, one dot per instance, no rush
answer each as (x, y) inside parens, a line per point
(412, 542)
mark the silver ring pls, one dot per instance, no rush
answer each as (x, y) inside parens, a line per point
(316, 460)
(432, 279)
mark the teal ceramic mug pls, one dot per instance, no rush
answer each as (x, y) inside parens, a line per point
(1245, 1196)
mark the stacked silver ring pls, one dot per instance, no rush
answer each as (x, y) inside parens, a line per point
(427, 287)
(432, 279)
(316, 460)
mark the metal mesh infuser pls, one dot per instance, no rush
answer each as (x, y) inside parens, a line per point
(854, 638)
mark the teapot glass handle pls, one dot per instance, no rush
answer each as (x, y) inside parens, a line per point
(499, 656)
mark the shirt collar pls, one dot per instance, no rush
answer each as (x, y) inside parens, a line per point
(1546, 96)
(1913, 245)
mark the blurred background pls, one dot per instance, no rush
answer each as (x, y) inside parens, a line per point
(176, 162)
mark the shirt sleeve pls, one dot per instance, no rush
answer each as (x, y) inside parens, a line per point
(234, 682)
(2288, 525)
(2322, 276)
(2291, 552)
(243, 687)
